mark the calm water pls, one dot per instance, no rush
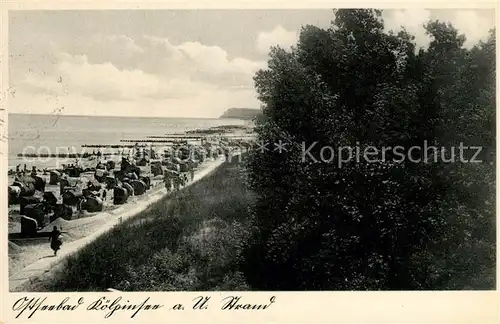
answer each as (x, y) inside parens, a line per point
(40, 133)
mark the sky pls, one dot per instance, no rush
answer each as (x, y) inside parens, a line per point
(170, 63)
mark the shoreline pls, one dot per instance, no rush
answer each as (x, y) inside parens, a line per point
(115, 216)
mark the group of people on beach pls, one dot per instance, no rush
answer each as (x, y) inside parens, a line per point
(174, 179)
(25, 171)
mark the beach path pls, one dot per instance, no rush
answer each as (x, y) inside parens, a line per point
(46, 261)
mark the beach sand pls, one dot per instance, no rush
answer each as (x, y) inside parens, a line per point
(29, 259)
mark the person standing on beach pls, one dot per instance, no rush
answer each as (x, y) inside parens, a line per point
(81, 201)
(167, 180)
(177, 181)
(55, 241)
(191, 168)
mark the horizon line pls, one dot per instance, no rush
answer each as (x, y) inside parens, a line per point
(117, 116)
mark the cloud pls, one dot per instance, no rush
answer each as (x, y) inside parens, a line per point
(202, 63)
(472, 25)
(117, 73)
(278, 36)
(468, 22)
(412, 20)
(189, 79)
(213, 59)
(118, 41)
(74, 74)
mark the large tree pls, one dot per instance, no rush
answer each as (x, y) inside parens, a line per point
(365, 224)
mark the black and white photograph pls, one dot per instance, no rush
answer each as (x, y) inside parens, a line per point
(251, 150)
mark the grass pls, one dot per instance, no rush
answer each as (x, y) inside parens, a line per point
(188, 241)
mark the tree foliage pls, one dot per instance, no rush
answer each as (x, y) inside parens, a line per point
(384, 224)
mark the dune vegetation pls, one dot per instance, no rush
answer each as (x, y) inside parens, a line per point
(190, 240)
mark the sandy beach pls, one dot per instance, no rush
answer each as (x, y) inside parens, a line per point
(34, 257)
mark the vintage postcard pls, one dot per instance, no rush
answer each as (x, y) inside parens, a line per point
(249, 162)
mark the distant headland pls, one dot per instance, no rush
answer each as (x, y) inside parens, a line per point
(241, 113)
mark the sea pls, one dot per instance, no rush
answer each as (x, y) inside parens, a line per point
(56, 133)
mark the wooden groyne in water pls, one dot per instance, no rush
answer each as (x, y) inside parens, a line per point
(169, 139)
(107, 146)
(152, 141)
(62, 155)
(115, 146)
(176, 137)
